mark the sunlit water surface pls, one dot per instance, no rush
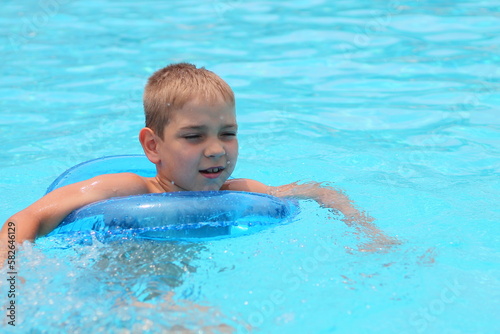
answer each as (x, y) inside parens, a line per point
(395, 102)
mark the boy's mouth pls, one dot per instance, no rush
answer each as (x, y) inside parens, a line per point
(212, 172)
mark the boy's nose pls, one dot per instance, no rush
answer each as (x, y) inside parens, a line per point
(215, 150)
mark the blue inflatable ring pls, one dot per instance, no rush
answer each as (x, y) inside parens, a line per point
(176, 215)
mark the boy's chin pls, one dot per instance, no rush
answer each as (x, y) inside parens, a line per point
(209, 187)
(212, 188)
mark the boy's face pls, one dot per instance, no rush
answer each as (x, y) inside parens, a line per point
(199, 147)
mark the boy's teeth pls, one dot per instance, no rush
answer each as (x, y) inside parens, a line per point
(213, 170)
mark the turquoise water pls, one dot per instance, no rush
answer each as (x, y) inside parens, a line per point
(395, 102)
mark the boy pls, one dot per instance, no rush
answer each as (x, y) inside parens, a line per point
(191, 137)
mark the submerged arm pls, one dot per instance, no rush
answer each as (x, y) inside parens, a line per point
(327, 197)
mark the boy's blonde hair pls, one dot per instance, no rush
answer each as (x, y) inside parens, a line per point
(171, 87)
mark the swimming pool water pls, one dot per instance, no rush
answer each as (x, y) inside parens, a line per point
(396, 102)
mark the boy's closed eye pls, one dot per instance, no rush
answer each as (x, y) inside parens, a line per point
(229, 134)
(199, 136)
(192, 136)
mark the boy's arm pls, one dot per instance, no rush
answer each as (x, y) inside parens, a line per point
(45, 214)
(327, 197)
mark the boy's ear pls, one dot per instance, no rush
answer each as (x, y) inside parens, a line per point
(149, 141)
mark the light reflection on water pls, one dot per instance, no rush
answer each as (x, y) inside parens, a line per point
(393, 101)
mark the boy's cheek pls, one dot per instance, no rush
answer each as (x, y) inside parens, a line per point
(235, 151)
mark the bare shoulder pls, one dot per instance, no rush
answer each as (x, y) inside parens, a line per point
(120, 184)
(104, 186)
(245, 185)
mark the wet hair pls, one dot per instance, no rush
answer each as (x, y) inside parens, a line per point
(171, 87)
